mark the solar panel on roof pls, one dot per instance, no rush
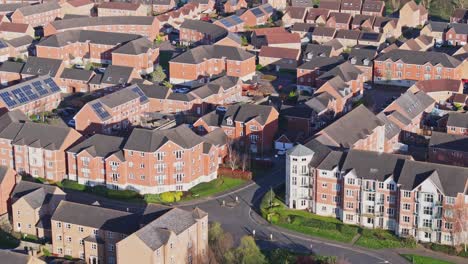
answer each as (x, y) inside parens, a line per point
(226, 23)
(7, 99)
(268, 8)
(29, 92)
(53, 86)
(143, 97)
(3, 45)
(20, 95)
(39, 88)
(257, 12)
(100, 111)
(237, 19)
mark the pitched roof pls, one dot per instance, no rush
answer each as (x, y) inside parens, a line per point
(78, 3)
(420, 57)
(346, 71)
(324, 32)
(11, 7)
(330, 4)
(38, 8)
(279, 38)
(296, 12)
(13, 27)
(323, 63)
(107, 20)
(76, 74)
(99, 145)
(3, 172)
(460, 13)
(116, 74)
(340, 18)
(437, 26)
(20, 41)
(154, 90)
(24, 188)
(439, 85)
(362, 57)
(12, 257)
(317, 50)
(204, 27)
(103, 218)
(135, 47)
(372, 6)
(42, 136)
(411, 105)
(354, 5)
(457, 119)
(11, 66)
(151, 140)
(283, 53)
(120, 5)
(347, 34)
(348, 129)
(41, 66)
(449, 141)
(247, 112)
(460, 28)
(203, 52)
(97, 37)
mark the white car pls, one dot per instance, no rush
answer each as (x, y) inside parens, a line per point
(79, 66)
(181, 90)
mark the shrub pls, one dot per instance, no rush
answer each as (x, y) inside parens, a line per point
(178, 195)
(463, 254)
(73, 185)
(170, 197)
(443, 248)
(152, 198)
(46, 252)
(122, 194)
(99, 190)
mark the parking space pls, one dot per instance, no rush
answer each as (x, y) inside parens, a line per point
(380, 96)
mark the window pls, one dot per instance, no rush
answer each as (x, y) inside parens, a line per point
(142, 165)
(406, 219)
(406, 194)
(405, 231)
(349, 217)
(390, 211)
(254, 138)
(159, 156)
(429, 198)
(69, 239)
(68, 226)
(81, 242)
(349, 205)
(351, 181)
(381, 185)
(370, 209)
(406, 206)
(142, 154)
(93, 246)
(391, 186)
(59, 238)
(448, 213)
(81, 229)
(178, 154)
(391, 199)
(349, 193)
(59, 224)
(371, 197)
(448, 226)
(294, 169)
(324, 196)
(59, 251)
(111, 248)
(294, 181)
(427, 210)
(253, 128)
(448, 238)
(427, 223)
(450, 200)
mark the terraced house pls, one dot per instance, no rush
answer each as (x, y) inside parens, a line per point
(121, 9)
(405, 67)
(35, 149)
(196, 32)
(37, 15)
(377, 190)
(203, 62)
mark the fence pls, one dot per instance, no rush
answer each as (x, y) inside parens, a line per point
(238, 174)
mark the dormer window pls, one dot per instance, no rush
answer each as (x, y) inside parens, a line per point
(366, 62)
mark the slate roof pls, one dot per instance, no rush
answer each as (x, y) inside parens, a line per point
(460, 13)
(460, 28)
(296, 12)
(299, 151)
(76, 74)
(97, 37)
(348, 129)
(146, 140)
(102, 218)
(372, 6)
(119, 5)
(213, 87)
(301, 3)
(200, 53)
(13, 27)
(440, 85)
(323, 63)
(12, 257)
(215, 31)
(302, 27)
(347, 34)
(362, 56)
(354, 5)
(324, 32)
(135, 47)
(155, 91)
(319, 102)
(24, 188)
(318, 50)
(41, 66)
(449, 141)
(3, 172)
(340, 18)
(412, 104)
(38, 8)
(11, 66)
(436, 26)
(99, 145)
(20, 41)
(420, 57)
(330, 4)
(11, 7)
(346, 71)
(109, 20)
(42, 136)
(115, 74)
(10, 123)
(457, 119)
(247, 112)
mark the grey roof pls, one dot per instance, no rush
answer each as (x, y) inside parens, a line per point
(216, 137)
(120, 97)
(115, 74)
(436, 26)
(135, 47)
(460, 28)
(362, 56)
(340, 18)
(324, 32)
(301, 3)
(318, 50)
(87, 36)
(347, 34)
(300, 151)
(102, 218)
(346, 71)
(320, 150)
(99, 145)
(347, 130)
(42, 136)
(155, 91)
(41, 66)
(449, 141)
(184, 97)
(11, 7)
(303, 27)
(10, 124)
(391, 129)
(215, 31)
(247, 112)
(11, 66)
(151, 140)
(16, 94)
(297, 111)
(76, 74)
(457, 119)
(319, 102)
(157, 233)
(37, 198)
(102, 21)
(39, 8)
(20, 41)
(11, 257)
(322, 63)
(213, 87)
(412, 104)
(419, 57)
(3, 172)
(24, 188)
(200, 53)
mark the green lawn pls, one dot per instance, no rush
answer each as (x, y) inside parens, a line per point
(378, 238)
(416, 259)
(213, 187)
(8, 241)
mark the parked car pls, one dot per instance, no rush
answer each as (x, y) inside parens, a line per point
(101, 70)
(181, 90)
(71, 123)
(79, 66)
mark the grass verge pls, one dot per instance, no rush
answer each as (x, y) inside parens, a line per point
(379, 238)
(416, 259)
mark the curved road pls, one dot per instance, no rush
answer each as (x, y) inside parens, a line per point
(241, 220)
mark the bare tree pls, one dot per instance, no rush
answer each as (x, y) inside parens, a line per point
(458, 216)
(233, 155)
(245, 158)
(426, 3)
(395, 4)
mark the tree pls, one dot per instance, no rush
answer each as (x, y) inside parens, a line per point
(220, 243)
(248, 252)
(395, 4)
(233, 155)
(457, 214)
(244, 41)
(245, 158)
(158, 75)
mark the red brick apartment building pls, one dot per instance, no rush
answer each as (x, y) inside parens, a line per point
(405, 67)
(254, 126)
(105, 238)
(150, 161)
(37, 15)
(162, 6)
(40, 94)
(359, 129)
(77, 7)
(202, 62)
(147, 26)
(121, 9)
(10, 30)
(309, 71)
(257, 16)
(33, 148)
(448, 149)
(141, 54)
(457, 124)
(197, 32)
(7, 182)
(378, 190)
(113, 112)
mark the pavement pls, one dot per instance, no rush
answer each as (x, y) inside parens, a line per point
(238, 217)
